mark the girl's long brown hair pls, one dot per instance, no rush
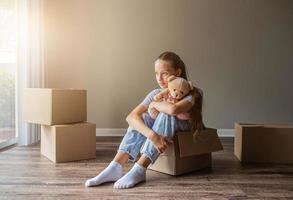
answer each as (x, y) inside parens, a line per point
(196, 120)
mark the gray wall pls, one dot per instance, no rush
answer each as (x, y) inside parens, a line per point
(238, 51)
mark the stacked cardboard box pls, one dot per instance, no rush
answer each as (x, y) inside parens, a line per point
(188, 153)
(62, 113)
(263, 143)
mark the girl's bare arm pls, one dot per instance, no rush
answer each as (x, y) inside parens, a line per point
(135, 120)
(172, 109)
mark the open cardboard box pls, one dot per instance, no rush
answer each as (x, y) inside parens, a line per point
(68, 142)
(264, 143)
(188, 153)
(51, 106)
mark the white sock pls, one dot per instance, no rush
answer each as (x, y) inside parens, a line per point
(134, 176)
(110, 174)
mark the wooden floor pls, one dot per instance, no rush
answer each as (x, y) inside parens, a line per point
(25, 174)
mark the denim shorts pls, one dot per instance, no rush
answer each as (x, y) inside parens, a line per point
(164, 124)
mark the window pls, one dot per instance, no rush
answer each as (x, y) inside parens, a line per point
(8, 62)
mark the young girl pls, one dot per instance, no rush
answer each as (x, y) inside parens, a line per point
(155, 134)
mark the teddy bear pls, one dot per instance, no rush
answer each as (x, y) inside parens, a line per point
(177, 89)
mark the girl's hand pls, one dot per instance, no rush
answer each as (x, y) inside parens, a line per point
(153, 113)
(161, 142)
(152, 104)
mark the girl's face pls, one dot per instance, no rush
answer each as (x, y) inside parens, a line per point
(163, 70)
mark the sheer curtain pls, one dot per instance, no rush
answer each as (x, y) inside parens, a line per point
(30, 66)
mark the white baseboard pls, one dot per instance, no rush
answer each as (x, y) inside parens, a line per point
(110, 131)
(122, 131)
(226, 132)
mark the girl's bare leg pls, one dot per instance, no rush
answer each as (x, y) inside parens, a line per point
(144, 161)
(121, 157)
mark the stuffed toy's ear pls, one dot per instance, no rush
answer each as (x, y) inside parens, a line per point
(171, 78)
(190, 85)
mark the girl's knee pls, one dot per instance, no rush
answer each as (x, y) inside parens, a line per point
(165, 124)
(165, 116)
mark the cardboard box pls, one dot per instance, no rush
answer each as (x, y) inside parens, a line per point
(68, 142)
(187, 153)
(264, 143)
(54, 106)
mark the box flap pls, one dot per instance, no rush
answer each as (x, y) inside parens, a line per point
(206, 141)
